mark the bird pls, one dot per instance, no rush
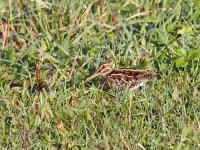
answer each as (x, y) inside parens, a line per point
(122, 78)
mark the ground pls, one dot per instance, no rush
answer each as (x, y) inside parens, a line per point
(49, 48)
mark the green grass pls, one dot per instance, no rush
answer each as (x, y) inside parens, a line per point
(163, 36)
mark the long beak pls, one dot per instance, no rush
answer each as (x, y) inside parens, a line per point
(92, 77)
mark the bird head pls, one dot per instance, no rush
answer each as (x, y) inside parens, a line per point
(103, 70)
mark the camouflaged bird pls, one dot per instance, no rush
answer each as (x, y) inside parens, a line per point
(122, 78)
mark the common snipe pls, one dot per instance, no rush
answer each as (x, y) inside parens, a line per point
(122, 78)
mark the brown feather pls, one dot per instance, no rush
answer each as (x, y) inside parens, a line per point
(122, 78)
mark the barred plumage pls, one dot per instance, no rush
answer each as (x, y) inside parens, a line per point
(122, 78)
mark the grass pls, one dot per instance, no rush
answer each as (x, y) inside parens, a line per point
(162, 36)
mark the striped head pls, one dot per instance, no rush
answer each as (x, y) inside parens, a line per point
(104, 70)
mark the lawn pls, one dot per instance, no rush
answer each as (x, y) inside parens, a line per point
(49, 48)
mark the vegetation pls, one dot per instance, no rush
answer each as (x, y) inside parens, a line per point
(69, 39)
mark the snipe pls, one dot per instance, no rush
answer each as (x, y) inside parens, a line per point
(122, 78)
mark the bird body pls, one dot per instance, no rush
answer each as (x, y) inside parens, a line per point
(122, 78)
